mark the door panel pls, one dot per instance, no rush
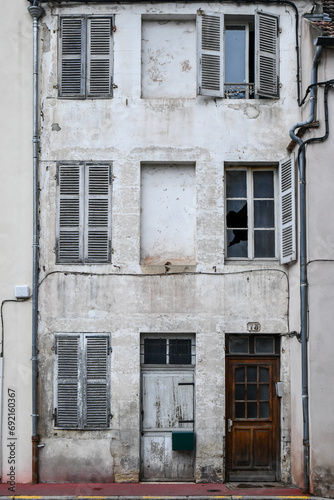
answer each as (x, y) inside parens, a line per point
(167, 405)
(252, 412)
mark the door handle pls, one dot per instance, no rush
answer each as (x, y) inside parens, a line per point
(229, 424)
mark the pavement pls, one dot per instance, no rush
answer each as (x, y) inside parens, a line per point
(152, 491)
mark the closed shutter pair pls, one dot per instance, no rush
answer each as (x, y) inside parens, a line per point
(82, 392)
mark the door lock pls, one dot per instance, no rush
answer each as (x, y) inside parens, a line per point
(229, 424)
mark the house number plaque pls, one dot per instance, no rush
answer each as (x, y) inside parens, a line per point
(254, 327)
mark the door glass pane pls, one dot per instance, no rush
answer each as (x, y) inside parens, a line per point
(264, 345)
(264, 374)
(235, 184)
(263, 184)
(264, 215)
(240, 392)
(264, 392)
(238, 345)
(264, 410)
(155, 351)
(180, 351)
(240, 410)
(252, 374)
(264, 243)
(252, 392)
(251, 410)
(240, 374)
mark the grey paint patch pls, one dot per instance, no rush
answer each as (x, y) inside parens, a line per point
(55, 127)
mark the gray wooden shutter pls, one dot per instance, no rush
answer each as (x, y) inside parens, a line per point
(210, 29)
(72, 57)
(98, 213)
(97, 408)
(70, 213)
(266, 55)
(99, 57)
(67, 382)
(287, 210)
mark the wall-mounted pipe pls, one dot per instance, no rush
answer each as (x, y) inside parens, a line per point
(36, 12)
(303, 267)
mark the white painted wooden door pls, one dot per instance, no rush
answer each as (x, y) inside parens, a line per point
(167, 405)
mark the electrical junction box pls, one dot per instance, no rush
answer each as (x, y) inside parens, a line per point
(183, 440)
(22, 292)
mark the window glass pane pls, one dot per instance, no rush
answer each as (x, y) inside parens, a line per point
(237, 244)
(252, 410)
(235, 183)
(264, 213)
(252, 374)
(263, 183)
(238, 345)
(240, 374)
(180, 351)
(264, 243)
(252, 392)
(264, 345)
(264, 392)
(264, 410)
(264, 375)
(236, 213)
(155, 351)
(235, 54)
(240, 410)
(240, 392)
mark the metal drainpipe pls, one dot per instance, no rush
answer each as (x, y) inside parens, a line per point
(303, 268)
(36, 12)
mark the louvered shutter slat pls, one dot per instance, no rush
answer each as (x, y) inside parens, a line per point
(69, 213)
(99, 57)
(266, 68)
(98, 213)
(71, 58)
(210, 54)
(67, 382)
(97, 399)
(287, 211)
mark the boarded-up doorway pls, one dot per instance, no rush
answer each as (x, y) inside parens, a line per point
(167, 398)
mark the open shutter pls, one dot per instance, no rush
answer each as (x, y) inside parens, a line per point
(98, 213)
(67, 382)
(99, 57)
(287, 211)
(71, 64)
(97, 382)
(70, 213)
(210, 29)
(266, 53)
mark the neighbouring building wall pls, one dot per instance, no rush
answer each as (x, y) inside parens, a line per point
(319, 178)
(16, 240)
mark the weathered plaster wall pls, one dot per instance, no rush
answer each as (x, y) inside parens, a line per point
(16, 231)
(125, 297)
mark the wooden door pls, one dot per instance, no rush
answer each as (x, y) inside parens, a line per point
(167, 407)
(252, 417)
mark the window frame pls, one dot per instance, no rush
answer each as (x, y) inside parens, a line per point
(83, 215)
(211, 44)
(168, 337)
(85, 58)
(77, 415)
(250, 169)
(249, 86)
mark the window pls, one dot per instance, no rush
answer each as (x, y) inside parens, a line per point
(243, 61)
(168, 350)
(83, 213)
(82, 381)
(252, 345)
(251, 217)
(260, 224)
(85, 57)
